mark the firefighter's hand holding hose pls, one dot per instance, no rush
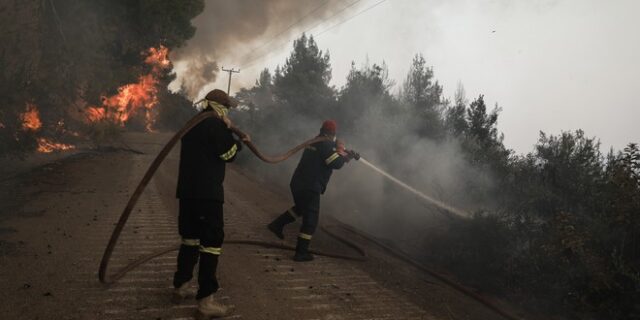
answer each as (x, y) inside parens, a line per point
(348, 154)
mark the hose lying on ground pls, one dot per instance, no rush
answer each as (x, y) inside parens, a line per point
(102, 273)
(258, 243)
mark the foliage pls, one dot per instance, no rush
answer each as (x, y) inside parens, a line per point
(563, 235)
(424, 95)
(80, 51)
(301, 86)
(365, 88)
(455, 120)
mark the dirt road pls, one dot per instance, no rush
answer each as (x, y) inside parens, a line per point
(55, 221)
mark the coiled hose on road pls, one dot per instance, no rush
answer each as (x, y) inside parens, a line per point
(104, 263)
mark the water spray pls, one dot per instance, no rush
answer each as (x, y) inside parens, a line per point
(413, 190)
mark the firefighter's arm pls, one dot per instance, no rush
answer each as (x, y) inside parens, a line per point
(331, 156)
(226, 146)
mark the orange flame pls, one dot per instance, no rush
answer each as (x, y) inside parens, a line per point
(134, 98)
(31, 118)
(47, 146)
(158, 58)
(95, 114)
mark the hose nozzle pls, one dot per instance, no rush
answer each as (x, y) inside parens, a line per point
(353, 154)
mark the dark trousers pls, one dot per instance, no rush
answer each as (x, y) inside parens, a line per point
(307, 206)
(201, 226)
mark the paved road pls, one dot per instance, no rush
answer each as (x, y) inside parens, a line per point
(55, 221)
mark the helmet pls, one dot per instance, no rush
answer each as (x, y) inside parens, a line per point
(222, 98)
(329, 127)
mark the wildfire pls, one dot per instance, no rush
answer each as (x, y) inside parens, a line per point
(31, 122)
(158, 57)
(95, 114)
(134, 98)
(31, 118)
(47, 146)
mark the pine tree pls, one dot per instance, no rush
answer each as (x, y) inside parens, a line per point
(482, 125)
(455, 120)
(482, 142)
(302, 84)
(424, 96)
(366, 88)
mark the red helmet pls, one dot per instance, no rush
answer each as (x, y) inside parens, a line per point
(329, 127)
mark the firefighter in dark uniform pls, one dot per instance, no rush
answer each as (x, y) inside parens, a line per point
(204, 152)
(309, 181)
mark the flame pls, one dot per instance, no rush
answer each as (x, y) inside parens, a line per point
(95, 114)
(158, 58)
(31, 122)
(134, 98)
(47, 146)
(31, 118)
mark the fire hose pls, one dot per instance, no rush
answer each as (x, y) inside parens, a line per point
(104, 263)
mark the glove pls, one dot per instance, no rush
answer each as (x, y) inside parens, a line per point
(340, 149)
(339, 145)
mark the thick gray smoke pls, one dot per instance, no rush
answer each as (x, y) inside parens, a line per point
(364, 198)
(240, 31)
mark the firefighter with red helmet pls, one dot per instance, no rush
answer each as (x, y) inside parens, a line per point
(309, 181)
(205, 150)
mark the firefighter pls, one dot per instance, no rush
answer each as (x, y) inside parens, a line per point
(205, 150)
(309, 181)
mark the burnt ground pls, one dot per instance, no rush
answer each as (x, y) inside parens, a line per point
(56, 218)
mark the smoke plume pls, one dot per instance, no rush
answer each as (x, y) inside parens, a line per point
(239, 32)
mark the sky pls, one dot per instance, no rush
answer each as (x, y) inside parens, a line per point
(550, 65)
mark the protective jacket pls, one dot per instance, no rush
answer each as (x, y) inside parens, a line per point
(205, 150)
(315, 167)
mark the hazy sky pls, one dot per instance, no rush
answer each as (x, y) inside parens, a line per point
(550, 65)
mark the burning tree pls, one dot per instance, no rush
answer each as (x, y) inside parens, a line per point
(135, 100)
(72, 55)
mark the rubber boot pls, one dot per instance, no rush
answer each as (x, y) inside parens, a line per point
(277, 225)
(209, 308)
(302, 251)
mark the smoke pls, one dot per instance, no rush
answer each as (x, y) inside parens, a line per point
(366, 199)
(234, 33)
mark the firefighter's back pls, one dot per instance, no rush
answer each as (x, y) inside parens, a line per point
(201, 171)
(312, 172)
